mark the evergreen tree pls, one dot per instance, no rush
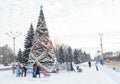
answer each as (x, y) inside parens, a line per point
(28, 43)
(76, 56)
(87, 56)
(19, 56)
(82, 57)
(42, 49)
(57, 53)
(8, 56)
(70, 57)
(69, 54)
(61, 57)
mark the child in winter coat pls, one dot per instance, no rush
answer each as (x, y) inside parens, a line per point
(18, 72)
(22, 72)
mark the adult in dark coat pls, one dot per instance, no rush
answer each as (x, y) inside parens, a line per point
(34, 70)
(38, 71)
(25, 70)
(89, 63)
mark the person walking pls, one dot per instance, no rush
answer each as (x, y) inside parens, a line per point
(96, 65)
(89, 63)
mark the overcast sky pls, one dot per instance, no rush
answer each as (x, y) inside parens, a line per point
(73, 22)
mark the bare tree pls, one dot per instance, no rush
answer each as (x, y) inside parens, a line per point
(7, 54)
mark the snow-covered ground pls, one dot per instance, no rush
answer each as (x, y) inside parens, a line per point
(87, 76)
(2, 66)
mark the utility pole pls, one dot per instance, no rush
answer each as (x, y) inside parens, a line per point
(101, 45)
(13, 36)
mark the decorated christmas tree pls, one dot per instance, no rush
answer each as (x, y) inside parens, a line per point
(42, 51)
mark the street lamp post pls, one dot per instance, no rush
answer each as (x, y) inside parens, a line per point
(14, 36)
(101, 45)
